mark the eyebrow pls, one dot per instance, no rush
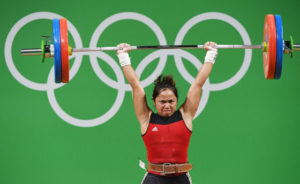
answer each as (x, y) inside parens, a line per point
(164, 101)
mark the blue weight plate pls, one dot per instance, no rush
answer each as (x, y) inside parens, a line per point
(279, 49)
(57, 50)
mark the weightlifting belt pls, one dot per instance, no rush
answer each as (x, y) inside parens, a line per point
(168, 168)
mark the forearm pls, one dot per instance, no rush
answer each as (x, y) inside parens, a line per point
(131, 76)
(195, 89)
(203, 74)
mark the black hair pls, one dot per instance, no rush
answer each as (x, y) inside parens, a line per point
(162, 83)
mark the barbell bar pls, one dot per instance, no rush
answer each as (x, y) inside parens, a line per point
(273, 48)
(38, 51)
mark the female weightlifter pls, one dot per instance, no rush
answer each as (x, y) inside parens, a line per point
(166, 134)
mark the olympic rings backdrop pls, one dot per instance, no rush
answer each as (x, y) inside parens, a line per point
(246, 129)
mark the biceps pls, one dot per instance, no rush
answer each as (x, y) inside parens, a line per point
(192, 101)
(140, 104)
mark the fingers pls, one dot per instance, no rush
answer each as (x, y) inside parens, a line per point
(123, 47)
(210, 45)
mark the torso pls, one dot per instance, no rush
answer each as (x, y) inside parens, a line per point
(167, 139)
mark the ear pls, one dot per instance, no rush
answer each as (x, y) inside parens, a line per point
(154, 104)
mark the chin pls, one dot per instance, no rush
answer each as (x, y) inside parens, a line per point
(167, 114)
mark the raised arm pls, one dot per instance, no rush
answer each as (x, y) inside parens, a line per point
(141, 108)
(190, 106)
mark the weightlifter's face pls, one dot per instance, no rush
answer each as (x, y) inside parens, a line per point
(165, 103)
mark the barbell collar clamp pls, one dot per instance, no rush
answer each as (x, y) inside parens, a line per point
(296, 47)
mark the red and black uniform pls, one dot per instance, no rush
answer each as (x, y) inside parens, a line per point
(167, 140)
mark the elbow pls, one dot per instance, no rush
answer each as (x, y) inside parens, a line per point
(135, 85)
(137, 88)
(201, 82)
(199, 85)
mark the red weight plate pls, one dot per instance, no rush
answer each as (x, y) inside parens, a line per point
(269, 56)
(64, 50)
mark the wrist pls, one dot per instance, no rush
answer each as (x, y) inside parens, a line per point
(124, 59)
(211, 56)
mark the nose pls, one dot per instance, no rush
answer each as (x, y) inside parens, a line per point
(167, 106)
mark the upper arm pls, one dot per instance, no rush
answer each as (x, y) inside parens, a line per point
(191, 103)
(141, 107)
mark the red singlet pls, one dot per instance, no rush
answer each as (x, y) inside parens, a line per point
(167, 139)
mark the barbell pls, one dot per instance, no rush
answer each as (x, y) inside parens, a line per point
(273, 48)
